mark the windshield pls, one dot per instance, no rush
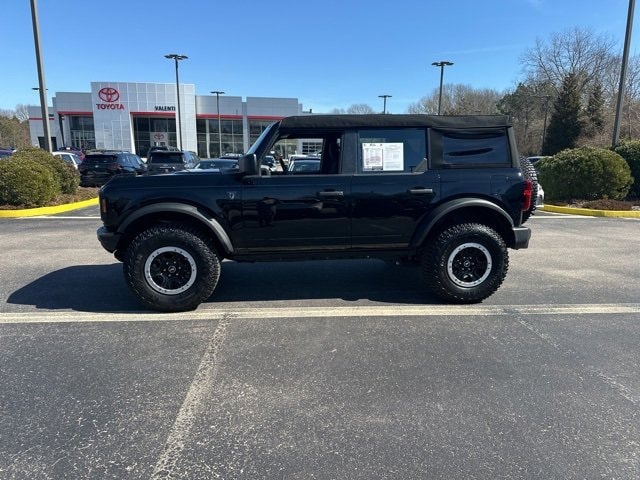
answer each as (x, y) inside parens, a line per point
(258, 142)
(165, 157)
(100, 159)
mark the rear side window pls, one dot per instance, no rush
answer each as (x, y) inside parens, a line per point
(165, 158)
(470, 148)
(392, 151)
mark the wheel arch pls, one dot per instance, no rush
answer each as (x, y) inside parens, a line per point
(171, 212)
(464, 210)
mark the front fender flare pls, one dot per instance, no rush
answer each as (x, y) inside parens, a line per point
(173, 207)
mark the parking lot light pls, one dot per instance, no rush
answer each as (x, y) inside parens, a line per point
(441, 64)
(177, 57)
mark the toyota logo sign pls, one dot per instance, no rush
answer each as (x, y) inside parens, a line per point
(109, 94)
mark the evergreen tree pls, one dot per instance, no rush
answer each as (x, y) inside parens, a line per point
(595, 111)
(565, 125)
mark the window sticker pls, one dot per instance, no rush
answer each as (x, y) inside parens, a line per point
(382, 157)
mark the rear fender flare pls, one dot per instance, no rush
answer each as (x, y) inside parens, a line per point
(440, 212)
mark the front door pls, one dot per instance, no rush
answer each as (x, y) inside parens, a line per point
(286, 213)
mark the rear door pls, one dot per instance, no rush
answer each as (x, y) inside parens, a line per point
(393, 188)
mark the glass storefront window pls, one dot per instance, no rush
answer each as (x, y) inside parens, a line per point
(82, 132)
(231, 139)
(150, 131)
(256, 127)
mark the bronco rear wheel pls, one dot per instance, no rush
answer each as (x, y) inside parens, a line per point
(466, 263)
(171, 268)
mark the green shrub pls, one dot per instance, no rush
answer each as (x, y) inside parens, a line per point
(630, 151)
(65, 175)
(25, 182)
(585, 173)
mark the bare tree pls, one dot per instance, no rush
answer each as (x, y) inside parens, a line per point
(458, 99)
(356, 108)
(22, 112)
(360, 108)
(579, 52)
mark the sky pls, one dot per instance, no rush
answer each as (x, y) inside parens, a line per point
(328, 54)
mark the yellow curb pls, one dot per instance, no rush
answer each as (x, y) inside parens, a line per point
(34, 212)
(592, 213)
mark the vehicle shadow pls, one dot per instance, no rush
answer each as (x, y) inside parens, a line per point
(102, 288)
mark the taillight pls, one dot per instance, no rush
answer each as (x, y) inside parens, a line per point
(527, 195)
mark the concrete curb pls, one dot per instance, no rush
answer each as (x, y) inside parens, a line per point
(592, 213)
(34, 212)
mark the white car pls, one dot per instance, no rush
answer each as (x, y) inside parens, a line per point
(71, 158)
(540, 197)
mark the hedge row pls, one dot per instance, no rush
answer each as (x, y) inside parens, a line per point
(585, 173)
(32, 177)
(630, 151)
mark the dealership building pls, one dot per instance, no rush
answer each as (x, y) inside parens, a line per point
(136, 116)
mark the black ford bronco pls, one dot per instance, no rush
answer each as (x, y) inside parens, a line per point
(445, 193)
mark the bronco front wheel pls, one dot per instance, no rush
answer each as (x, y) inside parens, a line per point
(171, 268)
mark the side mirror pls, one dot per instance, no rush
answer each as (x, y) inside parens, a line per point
(249, 164)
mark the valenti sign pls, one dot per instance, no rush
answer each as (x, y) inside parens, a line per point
(109, 97)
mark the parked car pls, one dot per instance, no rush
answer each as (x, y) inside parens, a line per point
(539, 203)
(304, 165)
(71, 158)
(161, 148)
(168, 161)
(270, 162)
(98, 168)
(75, 150)
(231, 156)
(5, 153)
(217, 164)
(382, 192)
(540, 197)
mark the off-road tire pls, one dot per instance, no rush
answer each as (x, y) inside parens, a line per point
(465, 263)
(171, 268)
(529, 173)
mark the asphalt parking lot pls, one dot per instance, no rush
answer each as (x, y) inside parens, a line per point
(322, 370)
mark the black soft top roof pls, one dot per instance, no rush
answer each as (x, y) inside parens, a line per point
(395, 121)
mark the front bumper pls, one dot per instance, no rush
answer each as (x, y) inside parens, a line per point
(108, 240)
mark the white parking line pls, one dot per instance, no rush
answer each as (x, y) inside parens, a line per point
(219, 313)
(200, 386)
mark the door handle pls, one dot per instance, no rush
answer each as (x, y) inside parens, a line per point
(420, 191)
(331, 193)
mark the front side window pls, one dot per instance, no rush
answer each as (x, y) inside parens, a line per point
(392, 151)
(287, 156)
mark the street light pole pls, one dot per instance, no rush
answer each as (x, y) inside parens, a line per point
(623, 73)
(384, 97)
(217, 93)
(441, 64)
(43, 90)
(176, 57)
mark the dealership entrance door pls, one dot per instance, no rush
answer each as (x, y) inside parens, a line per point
(153, 131)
